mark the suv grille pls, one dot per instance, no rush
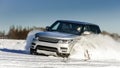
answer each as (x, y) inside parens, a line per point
(51, 40)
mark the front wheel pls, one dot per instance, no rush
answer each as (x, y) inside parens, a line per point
(33, 51)
(63, 55)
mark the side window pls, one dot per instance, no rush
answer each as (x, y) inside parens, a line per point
(56, 26)
(95, 29)
(86, 28)
(91, 28)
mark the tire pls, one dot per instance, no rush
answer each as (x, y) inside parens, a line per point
(63, 55)
(33, 51)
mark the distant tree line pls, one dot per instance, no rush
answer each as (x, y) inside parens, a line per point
(18, 32)
(113, 35)
(2, 34)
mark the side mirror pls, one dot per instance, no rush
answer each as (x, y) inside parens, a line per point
(47, 28)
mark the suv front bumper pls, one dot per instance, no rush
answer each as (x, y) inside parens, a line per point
(49, 48)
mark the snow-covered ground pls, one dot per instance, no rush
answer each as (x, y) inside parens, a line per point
(102, 51)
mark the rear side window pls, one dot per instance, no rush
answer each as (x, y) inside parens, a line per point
(92, 28)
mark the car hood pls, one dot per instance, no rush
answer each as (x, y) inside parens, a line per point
(56, 35)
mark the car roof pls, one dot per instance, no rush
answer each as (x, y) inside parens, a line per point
(77, 22)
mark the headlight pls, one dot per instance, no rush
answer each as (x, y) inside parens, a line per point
(65, 41)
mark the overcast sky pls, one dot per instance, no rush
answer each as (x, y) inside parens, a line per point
(41, 13)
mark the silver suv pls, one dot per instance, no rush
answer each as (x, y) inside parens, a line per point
(58, 39)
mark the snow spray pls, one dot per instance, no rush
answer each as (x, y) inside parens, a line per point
(96, 47)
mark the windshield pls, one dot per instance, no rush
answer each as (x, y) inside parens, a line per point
(64, 27)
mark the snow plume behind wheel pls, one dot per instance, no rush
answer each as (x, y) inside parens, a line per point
(96, 47)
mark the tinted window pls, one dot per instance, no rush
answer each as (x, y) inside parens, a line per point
(55, 26)
(92, 28)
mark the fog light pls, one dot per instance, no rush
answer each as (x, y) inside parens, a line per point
(63, 49)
